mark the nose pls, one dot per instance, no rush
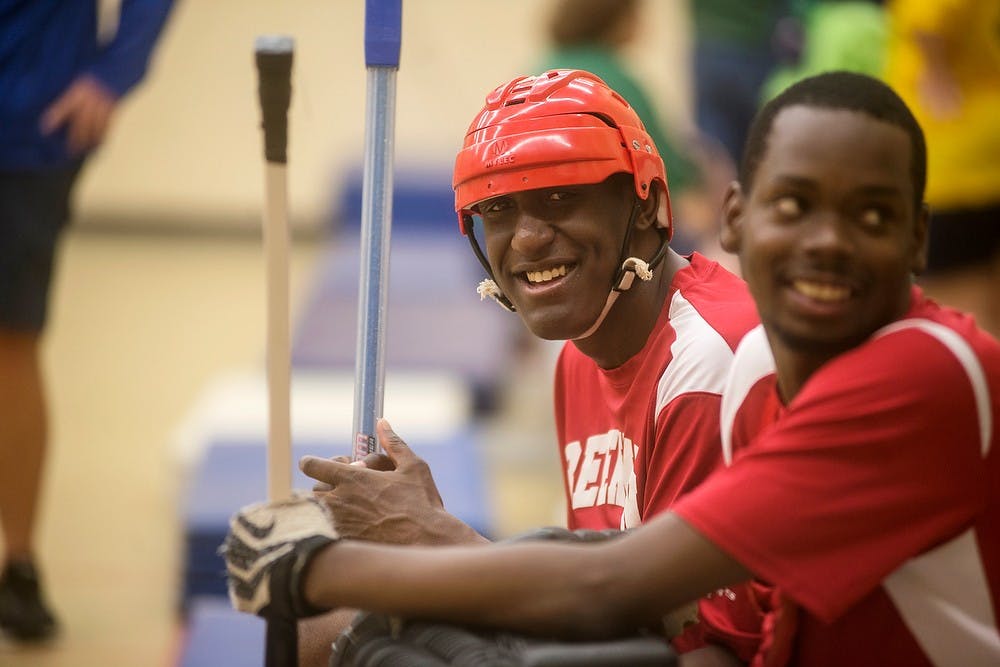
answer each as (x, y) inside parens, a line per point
(532, 236)
(828, 235)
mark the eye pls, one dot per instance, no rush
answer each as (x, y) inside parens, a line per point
(873, 217)
(495, 206)
(788, 207)
(559, 196)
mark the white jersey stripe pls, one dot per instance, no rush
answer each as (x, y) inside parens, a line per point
(752, 361)
(700, 355)
(943, 597)
(969, 361)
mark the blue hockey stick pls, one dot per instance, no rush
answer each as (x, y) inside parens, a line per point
(383, 24)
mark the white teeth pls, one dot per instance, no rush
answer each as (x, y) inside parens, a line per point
(546, 275)
(822, 291)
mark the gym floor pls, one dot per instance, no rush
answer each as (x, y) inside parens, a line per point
(140, 323)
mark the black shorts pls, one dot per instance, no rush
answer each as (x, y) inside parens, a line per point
(963, 238)
(34, 209)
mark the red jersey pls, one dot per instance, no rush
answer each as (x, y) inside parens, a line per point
(635, 438)
(873, 499)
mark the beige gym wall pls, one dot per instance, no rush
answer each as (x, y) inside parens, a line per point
(186, 149)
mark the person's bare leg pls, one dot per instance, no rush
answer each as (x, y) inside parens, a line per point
(22, 439)
(24, 615)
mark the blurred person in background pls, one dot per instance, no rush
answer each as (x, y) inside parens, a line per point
(735, 47)
(944, 60)
(836, 35)
(593, 35)
(59, 86)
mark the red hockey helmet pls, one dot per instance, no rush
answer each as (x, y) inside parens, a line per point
(563, 127)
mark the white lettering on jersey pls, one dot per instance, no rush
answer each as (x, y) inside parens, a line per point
(602, 472)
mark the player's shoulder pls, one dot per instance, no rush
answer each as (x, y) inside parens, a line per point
(920, 360)
(718, 297)
(711, 281)
(924, 348)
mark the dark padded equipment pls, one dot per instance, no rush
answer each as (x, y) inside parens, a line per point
(374, 640)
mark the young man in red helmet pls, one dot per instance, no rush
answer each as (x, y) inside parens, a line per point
(870, 497)
(568, 195)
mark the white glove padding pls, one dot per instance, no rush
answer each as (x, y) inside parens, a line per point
(267, 550)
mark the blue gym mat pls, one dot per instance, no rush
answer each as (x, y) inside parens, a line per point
(218, 635)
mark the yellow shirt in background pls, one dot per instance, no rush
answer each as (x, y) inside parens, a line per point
(963, 149)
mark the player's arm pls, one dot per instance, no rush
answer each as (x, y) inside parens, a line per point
(86, 107)
(562, 590)
(566, 590)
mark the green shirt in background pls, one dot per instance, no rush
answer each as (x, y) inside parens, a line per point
(602, 61)
(740, 23)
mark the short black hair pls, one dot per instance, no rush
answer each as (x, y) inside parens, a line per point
(838, 90)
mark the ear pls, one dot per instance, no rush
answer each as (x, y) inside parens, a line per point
(654, 210)
(921, 228)
(649, 208)
(733, 205)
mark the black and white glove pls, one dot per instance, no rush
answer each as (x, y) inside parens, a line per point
(267, 551)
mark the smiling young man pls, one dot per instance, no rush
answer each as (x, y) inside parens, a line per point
(870, 500)
(563, 196)
(567, 193)
(575, 217)
(884, 404)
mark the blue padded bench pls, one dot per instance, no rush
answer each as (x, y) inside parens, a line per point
(422, 200)
(217, 636)
(233, 473)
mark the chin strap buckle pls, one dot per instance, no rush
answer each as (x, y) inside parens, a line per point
(632, 267)
(489, 288)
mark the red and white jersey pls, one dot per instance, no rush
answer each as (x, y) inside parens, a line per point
(635, 438)
(872, 500)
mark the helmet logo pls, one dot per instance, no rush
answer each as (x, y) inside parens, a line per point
(496, 155)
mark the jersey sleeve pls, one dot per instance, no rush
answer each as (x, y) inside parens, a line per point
(876, 460)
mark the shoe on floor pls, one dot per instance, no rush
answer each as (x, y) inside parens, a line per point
(23, 614)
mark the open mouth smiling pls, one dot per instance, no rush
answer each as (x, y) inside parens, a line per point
(824, 292)
(545, 275)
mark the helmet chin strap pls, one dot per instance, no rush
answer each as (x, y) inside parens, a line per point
(488, 287)
(631, 268)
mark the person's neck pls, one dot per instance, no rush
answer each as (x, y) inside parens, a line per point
(793, 370)
(795, 365)
(631, 319)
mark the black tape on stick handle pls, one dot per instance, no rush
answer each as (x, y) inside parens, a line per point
(274, 70)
